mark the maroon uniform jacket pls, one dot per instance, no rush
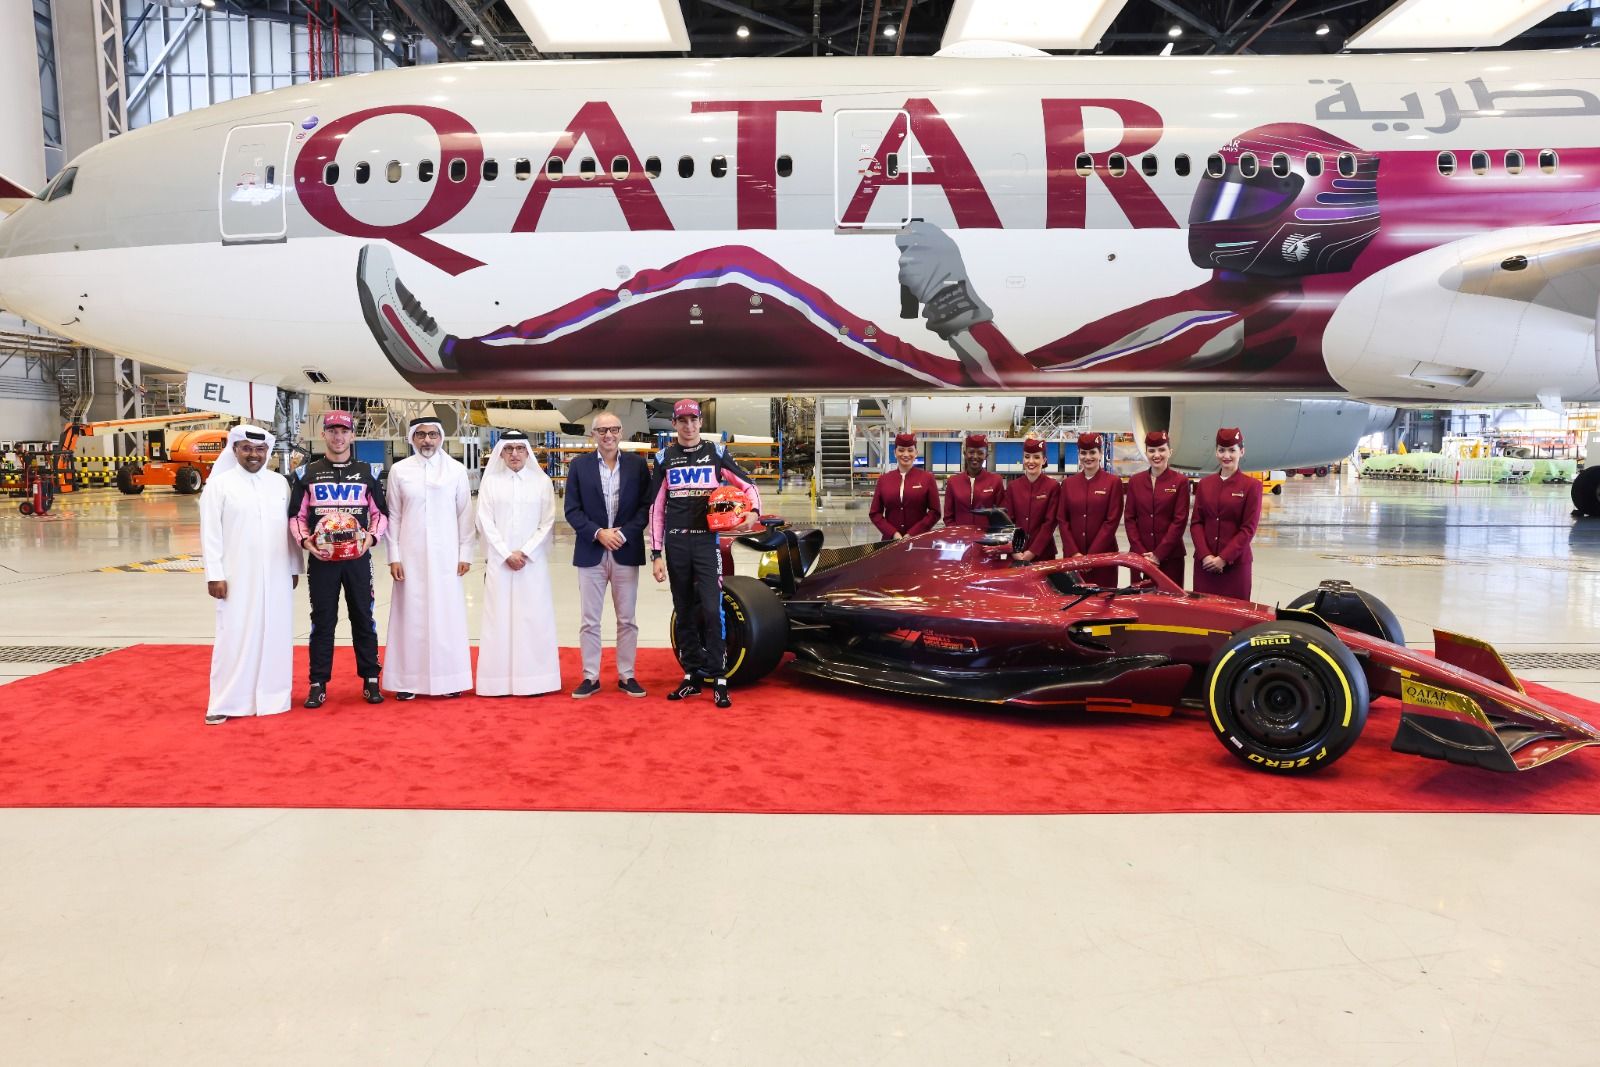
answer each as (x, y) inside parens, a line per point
(963, 496)
(909, 506)
(1225, 518)
(1157, 513)
(1032, 506)
(1091, 511)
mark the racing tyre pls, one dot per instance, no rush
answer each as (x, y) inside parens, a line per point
(1286, 697)
(756, 629)
(1586, 491)
(125, 479)
(1354, 609)
(188, 481)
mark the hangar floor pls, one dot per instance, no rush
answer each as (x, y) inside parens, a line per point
(189, 936)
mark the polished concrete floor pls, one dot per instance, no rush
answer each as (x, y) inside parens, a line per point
(354, 937)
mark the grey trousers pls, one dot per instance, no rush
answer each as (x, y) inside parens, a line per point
(624, 581)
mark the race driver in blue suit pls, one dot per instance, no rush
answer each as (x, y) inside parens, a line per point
(688, 470)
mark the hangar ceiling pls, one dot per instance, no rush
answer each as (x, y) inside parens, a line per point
(486, 29)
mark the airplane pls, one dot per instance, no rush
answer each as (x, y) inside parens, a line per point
(1211, 235)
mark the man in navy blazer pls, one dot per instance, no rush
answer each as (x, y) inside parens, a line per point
(607, 503)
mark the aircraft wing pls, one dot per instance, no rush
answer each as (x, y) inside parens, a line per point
(12, 195)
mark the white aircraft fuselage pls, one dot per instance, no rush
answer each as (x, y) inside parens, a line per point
(1413, 229)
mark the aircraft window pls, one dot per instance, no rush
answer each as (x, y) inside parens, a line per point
(1480, 163)
(1117, 164)
(785, 166)
(1347, 165)
(458, 170)
(619, 167)
(686, 166)
(1548, 161)
(1084, 164)
(1150, 165)
(392, 172)
(652, 167)
(1249, 166)
(891, 165)
(1280, 165)
(1180, 165)
(1216, 166)
(719, 166)
(1447, 163)
(425, 171)
(523, 169)
(553, 168)
(587, 168)
(330, 174)
(1513, 162)
(491, 169)
(62, 186)
(1313, 164)
(363, 172)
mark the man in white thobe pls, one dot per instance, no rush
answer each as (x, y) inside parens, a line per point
(517, 650)
(430, 540)
(252, 566)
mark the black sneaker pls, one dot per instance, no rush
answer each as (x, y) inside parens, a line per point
(586, 688)
(405, 696)
(216, 720)
(687, 688)
(629, 686)
(721, 691)
(371, 691)
(316, 696)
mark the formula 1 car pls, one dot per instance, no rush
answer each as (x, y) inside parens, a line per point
(951, 614)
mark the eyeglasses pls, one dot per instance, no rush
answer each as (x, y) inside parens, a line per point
(608, 429)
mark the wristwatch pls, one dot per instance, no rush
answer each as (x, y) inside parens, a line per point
(655, 554)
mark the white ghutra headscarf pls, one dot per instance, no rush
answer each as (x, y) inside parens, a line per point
(227, 461)
(497, 464)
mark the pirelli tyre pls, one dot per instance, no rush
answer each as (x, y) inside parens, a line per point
(757, 629)
(1354, 609)
(188, 480)
(125, 479)
(1286, 697)
(1586, 491)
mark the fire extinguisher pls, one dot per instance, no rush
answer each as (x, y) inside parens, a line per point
(39, 496)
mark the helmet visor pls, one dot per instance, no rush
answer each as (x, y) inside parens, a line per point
(1234, 198)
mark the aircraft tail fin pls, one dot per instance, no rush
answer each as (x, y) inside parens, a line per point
(12, 195)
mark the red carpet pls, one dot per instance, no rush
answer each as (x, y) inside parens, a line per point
(125, 731)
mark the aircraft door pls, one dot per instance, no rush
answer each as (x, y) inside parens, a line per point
(255, 167)
(872, 169)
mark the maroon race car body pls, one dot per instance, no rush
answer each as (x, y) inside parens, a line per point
(950, 614)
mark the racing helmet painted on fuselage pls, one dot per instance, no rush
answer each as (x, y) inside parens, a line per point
(1271, 213)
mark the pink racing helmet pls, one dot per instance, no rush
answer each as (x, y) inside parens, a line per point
(1291, 201)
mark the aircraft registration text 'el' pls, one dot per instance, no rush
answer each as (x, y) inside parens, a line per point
(1420, 229)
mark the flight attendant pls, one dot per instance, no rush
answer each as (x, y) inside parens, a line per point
(1031, 503)
(1227, 507)
(975, 487)
(1157, 509)
(1091, 510)
(906, 501)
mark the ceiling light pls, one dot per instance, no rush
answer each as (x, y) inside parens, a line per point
(1322, 29)
(627, 26)
(1453, 23)
(477, 41)
(387, 34)
(1175, 31)
(742, 31)
(889, 31)
(208, 3)
(1040, 23)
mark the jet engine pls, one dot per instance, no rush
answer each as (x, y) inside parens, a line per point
(1277, 433)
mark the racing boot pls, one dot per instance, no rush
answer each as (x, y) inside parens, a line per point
(687, 688)
(408, 335)
(720, 690)
(317, 695)
(370, 691)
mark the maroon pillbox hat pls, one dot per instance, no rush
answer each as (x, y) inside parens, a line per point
(1229, 435)
(1089, 440)
(1032, 444)
(1155, 438)
(976, 440)
(905, 440)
